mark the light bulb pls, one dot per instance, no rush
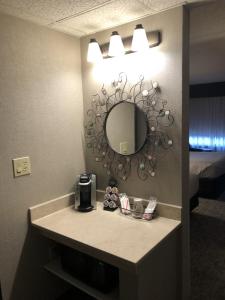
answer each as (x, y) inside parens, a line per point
(94, 51)
(116, 47)
(139, 41)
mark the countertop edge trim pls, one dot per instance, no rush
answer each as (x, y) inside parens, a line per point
(112, 259)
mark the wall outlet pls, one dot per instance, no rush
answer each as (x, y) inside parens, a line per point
(123, 148)
(21, 166)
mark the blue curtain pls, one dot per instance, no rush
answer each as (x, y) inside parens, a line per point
(207, 123)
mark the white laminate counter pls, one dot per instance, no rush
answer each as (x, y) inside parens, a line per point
(114, 238)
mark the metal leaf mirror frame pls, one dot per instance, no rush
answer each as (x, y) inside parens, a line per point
(158, 119)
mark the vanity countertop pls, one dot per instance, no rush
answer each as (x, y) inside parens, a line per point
(114, 238)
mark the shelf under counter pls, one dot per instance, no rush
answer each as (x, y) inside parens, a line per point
(55, 268)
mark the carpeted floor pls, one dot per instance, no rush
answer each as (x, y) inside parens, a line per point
(208, 250)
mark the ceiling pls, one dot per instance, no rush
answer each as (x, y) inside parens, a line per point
(83, 17)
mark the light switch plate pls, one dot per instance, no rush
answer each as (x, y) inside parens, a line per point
(21, 166)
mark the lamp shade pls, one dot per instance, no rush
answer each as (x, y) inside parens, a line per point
(116, 47)
(139, 41)
(94, 52)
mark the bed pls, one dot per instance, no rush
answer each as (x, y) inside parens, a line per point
(207, 176)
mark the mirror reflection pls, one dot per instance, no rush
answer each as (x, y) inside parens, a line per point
(126, 128)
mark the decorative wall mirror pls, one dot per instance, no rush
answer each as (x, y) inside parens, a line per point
(126, 127)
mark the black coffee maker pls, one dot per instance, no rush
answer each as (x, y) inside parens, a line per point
(86, 192)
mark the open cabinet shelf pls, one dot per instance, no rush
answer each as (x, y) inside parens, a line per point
(55, 268)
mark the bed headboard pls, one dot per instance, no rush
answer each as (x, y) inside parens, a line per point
(206, 90)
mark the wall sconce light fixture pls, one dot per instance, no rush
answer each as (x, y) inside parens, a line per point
(94, 51)
(116, 47)
(140, 41)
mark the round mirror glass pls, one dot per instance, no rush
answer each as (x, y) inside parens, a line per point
(126, 128)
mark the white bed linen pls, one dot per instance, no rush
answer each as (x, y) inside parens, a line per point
(209, 164)
(204, 164)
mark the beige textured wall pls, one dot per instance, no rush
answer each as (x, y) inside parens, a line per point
(169, 65)
(207, 43)
(40, 116)
(165, 65)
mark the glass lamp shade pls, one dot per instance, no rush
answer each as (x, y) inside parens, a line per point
(139, 41)
(94, 52)
(116, 47)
